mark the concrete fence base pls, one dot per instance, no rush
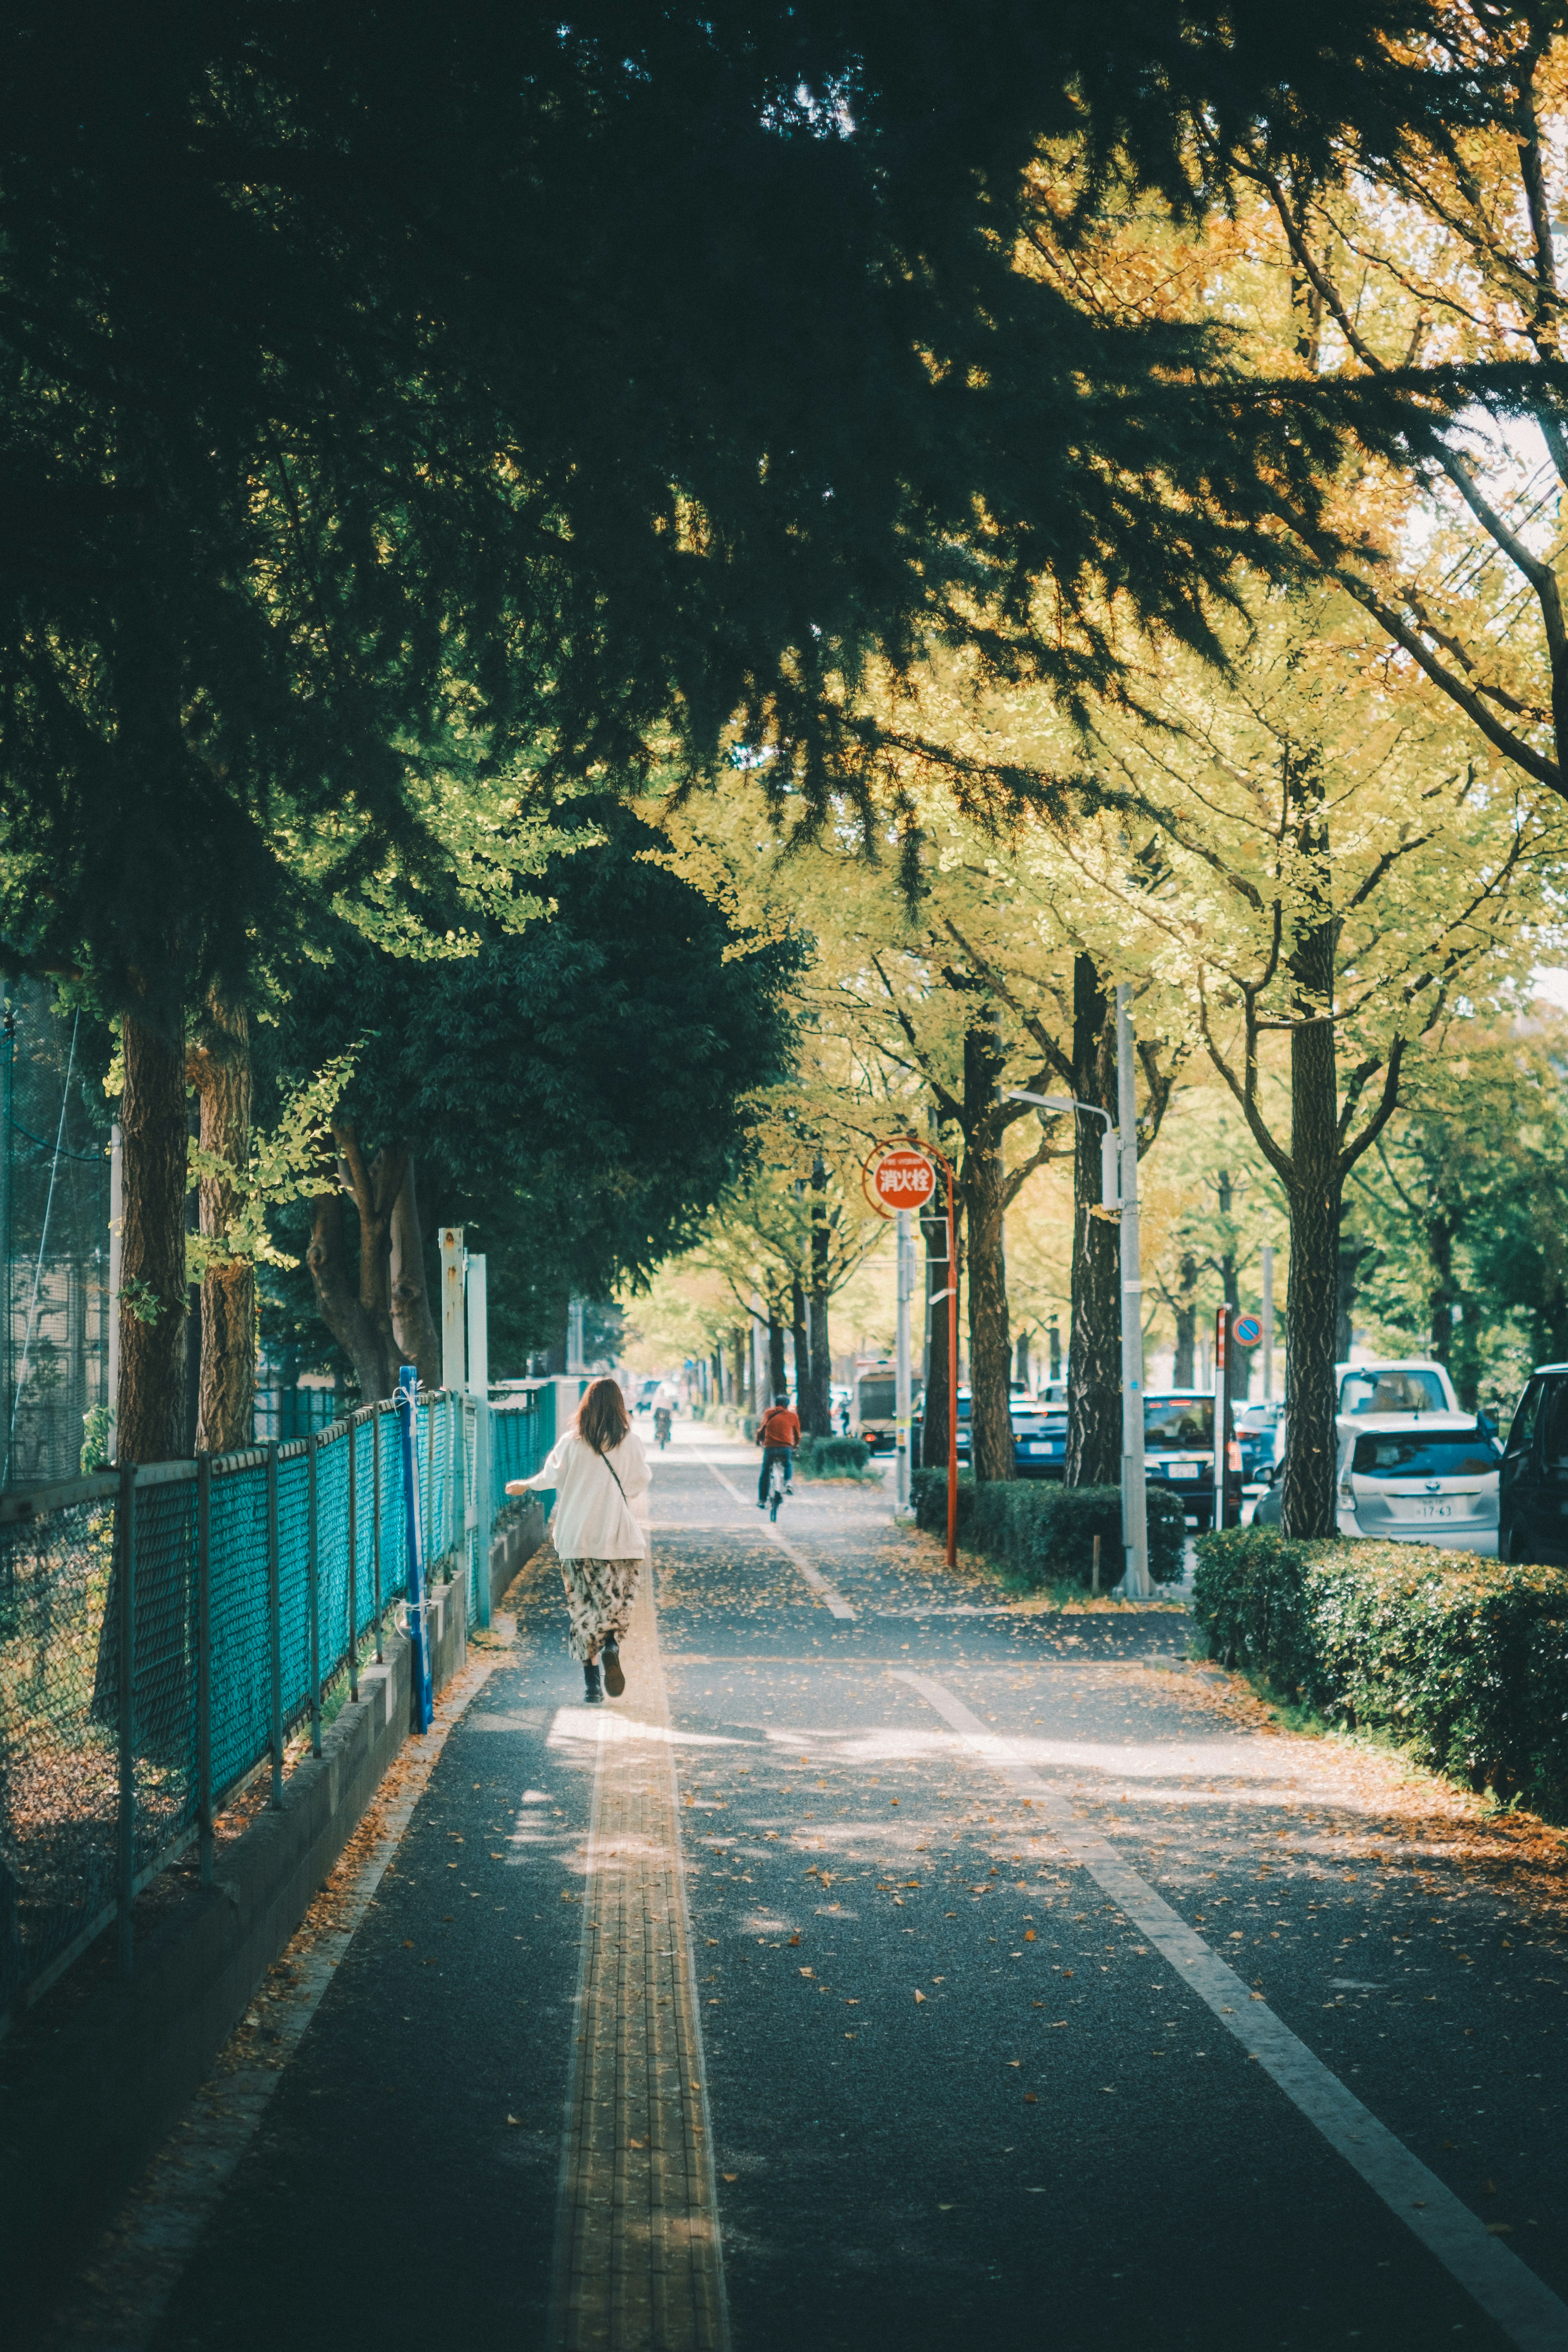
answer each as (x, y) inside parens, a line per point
(96, 2077)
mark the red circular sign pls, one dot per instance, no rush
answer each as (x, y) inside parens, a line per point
(904, 1180)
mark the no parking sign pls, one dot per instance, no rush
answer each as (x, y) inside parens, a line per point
(1246, 1331)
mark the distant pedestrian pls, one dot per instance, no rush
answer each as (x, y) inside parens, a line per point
(599, 1472)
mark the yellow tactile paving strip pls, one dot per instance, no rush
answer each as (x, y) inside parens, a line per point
(638, 2262)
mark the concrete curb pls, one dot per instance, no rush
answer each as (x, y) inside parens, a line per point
(84, 2101)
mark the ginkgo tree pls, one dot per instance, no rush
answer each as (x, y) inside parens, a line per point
(1319, 860)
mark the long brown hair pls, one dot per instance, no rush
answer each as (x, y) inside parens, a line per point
(602, 1419)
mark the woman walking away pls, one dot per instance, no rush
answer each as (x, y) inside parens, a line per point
(599, 1472)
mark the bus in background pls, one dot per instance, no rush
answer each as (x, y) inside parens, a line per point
(873, 1405)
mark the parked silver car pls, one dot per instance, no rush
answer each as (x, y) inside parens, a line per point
(1428, 1477)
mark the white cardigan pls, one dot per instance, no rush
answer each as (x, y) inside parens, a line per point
(590, 1519)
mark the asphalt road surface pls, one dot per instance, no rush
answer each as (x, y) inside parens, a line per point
(1022, 1982)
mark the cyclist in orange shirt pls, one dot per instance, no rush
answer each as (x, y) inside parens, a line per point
(779, 1433)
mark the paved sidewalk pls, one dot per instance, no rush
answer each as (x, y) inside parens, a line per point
(893, 1968)
(637, 2259)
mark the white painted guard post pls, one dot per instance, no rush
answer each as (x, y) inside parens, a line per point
(479, 1389)
(453, 1258)
(1134, 1492)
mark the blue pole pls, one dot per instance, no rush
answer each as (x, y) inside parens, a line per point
(407, 1409)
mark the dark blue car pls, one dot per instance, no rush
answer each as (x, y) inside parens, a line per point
(1040, 1439)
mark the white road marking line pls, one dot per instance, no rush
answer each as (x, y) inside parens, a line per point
(1523, 2306)
(836, 1605)
(146, 2249)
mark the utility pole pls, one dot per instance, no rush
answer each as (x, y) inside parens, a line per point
(903, 1406)
(452, 1308)
(1268, 1322)
(1135, 1496)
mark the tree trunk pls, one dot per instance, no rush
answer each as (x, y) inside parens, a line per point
(990, 1347)
(933, 1403)
(818, 1417)
(1094, 1353)
(1311, 1300)
(738, 1354)
(150, 1409)
(1184, 1371)
(413, 1326)
(219, 1067)
(359, 1314)
(363, 1329)
(1020, 1370)
(1238, 1361)
(778, 1377)
(1350, 1257)
(802, 1345)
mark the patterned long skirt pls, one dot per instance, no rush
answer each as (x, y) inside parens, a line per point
(599, 1598)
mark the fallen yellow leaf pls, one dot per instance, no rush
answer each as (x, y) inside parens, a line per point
(920, 1995)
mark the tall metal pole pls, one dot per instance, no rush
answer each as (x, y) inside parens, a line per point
(479, 1389)
(1222, 1431)
(952, 1375)
(1268, 1322)
(903, 1401)
(1135, 1494)
(408, 1407)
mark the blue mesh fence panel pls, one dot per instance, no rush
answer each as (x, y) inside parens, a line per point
(394, 1549)
(59, 1646)
(241, 1668)
(59, 1803)
(332, 1544)
(293, 1569)
(364, 1443)
(165, 1677)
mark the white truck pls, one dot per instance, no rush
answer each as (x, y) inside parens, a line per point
(1412, 1385)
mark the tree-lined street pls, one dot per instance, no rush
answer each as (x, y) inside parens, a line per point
(947, 2081)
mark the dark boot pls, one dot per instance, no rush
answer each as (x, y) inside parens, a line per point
(591, 1693)
(610, 1652)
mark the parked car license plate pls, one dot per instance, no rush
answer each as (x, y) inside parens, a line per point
(1427, 1511)
(1186, 1469)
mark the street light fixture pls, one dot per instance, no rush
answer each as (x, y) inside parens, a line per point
(1110, 1142)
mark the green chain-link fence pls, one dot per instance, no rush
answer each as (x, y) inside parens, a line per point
(163, 1631)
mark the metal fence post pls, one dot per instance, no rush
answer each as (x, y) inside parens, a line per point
(485, 1509)
(376, 1515)
(353, 1533)
(275, 1621)
(457, 1503)
(313, 1596)
(408, 1410)
(125, 1532)
(205, 1666)
(428, 1529)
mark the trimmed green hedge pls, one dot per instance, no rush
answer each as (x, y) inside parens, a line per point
(1463, 1661)
(833, 1457)
(1045, 1532)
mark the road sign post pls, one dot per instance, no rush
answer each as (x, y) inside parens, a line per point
(1221, 1413)
(899, 1178)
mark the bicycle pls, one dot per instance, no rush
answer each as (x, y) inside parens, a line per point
(776, 1488)
(661, 1425)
